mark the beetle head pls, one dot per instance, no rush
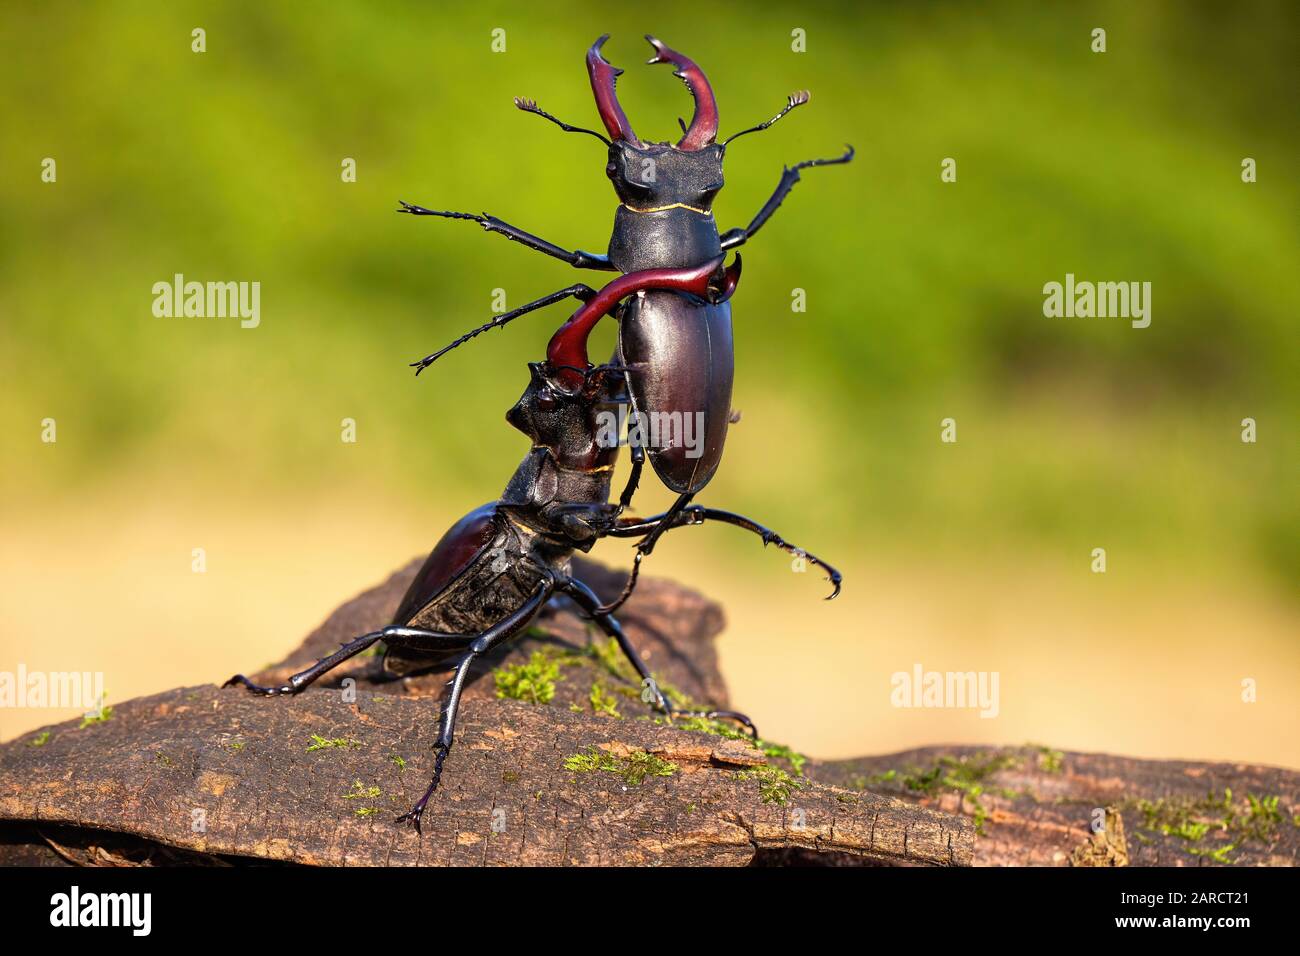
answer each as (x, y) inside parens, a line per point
(566, 419)
(647, 175)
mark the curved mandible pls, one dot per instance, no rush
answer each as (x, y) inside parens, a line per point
(704, 124)
(604, 77)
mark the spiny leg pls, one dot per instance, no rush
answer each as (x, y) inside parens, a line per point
(738, 237)
(305, 678)
(646, 546)
(493, 637)
(698, 514)
(586, 599)
(578, 259)
(578, 290)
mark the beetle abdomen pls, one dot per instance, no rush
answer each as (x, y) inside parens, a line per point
(472, 579)
(681, 357)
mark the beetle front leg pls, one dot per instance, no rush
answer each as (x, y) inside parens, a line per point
(698, 514)
(586, 599)
(789, 176)
(578, 259)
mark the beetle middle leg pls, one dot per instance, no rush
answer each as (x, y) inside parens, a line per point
(586, 599)
(578, 259)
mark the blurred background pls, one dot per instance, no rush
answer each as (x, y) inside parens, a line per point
(924, 302)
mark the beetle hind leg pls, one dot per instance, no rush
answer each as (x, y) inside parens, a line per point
(587, 599)
(303, 679)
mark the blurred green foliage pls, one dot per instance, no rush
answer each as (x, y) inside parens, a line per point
(924, 299)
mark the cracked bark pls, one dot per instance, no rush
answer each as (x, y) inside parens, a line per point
(219, 777)
(215, 776)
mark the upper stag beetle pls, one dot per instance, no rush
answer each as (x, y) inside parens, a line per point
(677, 351)
(495, 569)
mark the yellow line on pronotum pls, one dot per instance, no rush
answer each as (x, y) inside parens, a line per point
(676, 205)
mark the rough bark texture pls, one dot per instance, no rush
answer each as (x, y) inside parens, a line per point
(215, 777)
(204, 775)
(1040, 807)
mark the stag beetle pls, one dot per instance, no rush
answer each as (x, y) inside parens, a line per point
(495, 569)
(678, 353)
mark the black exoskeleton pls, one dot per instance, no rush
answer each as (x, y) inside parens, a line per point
(679, 351)
(494, 570)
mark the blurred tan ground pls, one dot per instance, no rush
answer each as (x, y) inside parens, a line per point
(1126, 662)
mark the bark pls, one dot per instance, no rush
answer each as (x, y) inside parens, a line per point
(204, 775)
(207, 776)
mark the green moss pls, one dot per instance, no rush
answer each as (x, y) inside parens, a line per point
(611, 657)
(163, 759)
(774, 784)
(1192, 819)
(1049, 760)
(533, 681)
(1219, 855)
(236, 745)
(361, 792)
(633, 768)
(327, 743)
(602, 702)
(366, 811)
(399, 762)
(966, 776)
(105, 714)
(865, 781)
(40, 740)
(781, 751)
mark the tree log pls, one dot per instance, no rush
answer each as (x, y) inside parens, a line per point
(577, 772)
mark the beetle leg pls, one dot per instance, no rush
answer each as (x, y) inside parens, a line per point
(578, 259)
(789, 176)
(698, 514)
(300, 681)
(667, 520)
(586, 599)
(578, 291)
(494, 636)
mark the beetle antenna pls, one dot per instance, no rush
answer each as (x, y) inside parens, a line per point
(578, 291)
(530, 106)
(798, 98)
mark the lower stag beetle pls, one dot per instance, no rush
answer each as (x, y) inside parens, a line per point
(678, 352)
(496, 568)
